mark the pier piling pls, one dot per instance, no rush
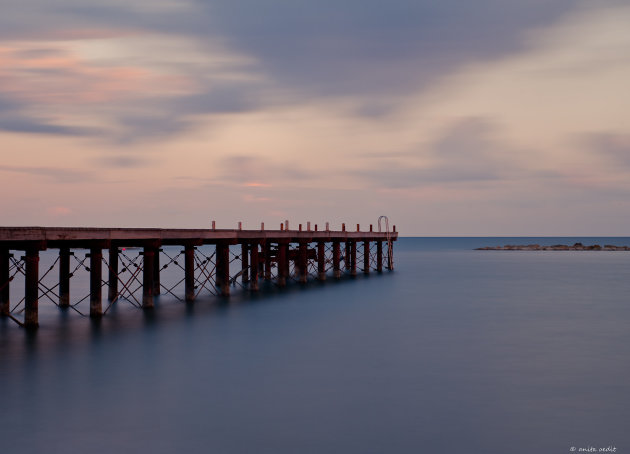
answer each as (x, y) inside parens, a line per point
(112, 290)
(148, 272)
(321, 260)
(5, 266)
(336, 259)
(222, 279)
(189, 272)
(255, 266)
(283, 263)
(64, 277)
(96, 279)
(31, 288)
(353, 258)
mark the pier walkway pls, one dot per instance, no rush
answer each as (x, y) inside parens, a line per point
(243, 256)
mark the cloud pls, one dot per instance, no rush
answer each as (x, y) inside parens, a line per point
(58, 174)
(259, 172)
(611, 147)
(469, 151)
(373, 47)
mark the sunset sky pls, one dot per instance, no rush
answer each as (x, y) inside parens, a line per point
(452, 117)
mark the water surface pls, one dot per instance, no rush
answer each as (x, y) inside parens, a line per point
(456, 351)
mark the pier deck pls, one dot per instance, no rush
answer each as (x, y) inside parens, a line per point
(248, 255)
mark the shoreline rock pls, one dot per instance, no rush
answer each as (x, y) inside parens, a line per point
(555, 247)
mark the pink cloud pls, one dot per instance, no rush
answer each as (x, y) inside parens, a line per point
(52, 73)
(58, 211)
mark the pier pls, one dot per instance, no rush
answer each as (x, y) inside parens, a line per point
(132, 259)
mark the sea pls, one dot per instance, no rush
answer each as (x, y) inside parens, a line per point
(454, 351)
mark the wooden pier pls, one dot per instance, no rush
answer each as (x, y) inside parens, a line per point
(248, 256)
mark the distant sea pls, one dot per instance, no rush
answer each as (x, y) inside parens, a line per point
(456, 351)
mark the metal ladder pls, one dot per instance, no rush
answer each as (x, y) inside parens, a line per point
(390, 246)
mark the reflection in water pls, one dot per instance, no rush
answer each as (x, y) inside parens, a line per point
(457, 351)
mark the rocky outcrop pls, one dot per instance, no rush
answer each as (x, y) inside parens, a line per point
(556, 247)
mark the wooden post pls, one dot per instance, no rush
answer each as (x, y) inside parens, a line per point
(189, 272)
(31, 289)
(245, 263)
(96, 280)
(366, 257)
(112, 292)
(353, 258)
(321, 260)
(336, 259)
(156, 272)
(64, 277)
(379, 256)
(283, 263)
(5, 265)
(222, 278)
(390, 258)
(255, 266)
(302, 261)
(148, 273)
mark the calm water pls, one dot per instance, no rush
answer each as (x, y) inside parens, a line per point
(457, 351)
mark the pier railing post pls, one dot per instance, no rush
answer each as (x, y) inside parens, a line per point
(222, 278)
(148, 273)
(189, 272)
(255, 266)
(5, 265)
(379, 256)
(64, 277)
(336, 259)
(366, 257)
(112, 292)
(31, 288)
(321, 260)
(96, 280)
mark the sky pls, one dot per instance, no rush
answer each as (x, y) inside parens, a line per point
(451, 117)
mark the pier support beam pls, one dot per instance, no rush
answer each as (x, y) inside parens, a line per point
(112, 292)
(390, 259)
(302, 261)
(189, 272)
(379, 256)
(245, 263)
(321, 260)
(5, 265)
(64, 277)
(222, 278)
(255, 266)
(353, 258)
(283, 263)
(148, 273)
(346, 258)
(366, 257)
(96, 280)
(336, 259)
(31, 289)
